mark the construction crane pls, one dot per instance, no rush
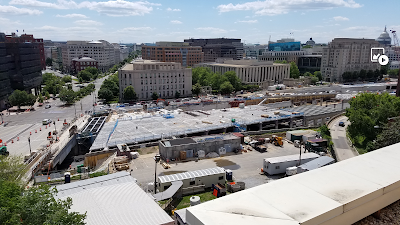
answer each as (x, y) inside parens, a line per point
(396, 48)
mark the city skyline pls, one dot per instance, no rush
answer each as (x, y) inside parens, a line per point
(124, 21)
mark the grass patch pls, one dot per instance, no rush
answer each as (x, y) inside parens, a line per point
(97, 174)
(204, 197)
(76, 80)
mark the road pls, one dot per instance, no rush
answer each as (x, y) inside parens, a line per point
(29, 124)
(341, 144)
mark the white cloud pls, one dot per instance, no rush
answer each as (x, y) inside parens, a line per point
(176, 22)
(357, 28)
(61, 4)
(110, 8)
(120, 7)
(88, 23)
(173, 10)
(6, 9)
(128, 29)
(212, 30)
(340, 18)
(73, 16)
(276, 7)
(247, 21)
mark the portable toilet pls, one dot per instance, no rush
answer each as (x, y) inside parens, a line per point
(229, 175)
(67, 176)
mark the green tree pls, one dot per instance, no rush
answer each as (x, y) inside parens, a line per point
(377, 75)
(318, 74)
(294, 70)
(346, 76)
(226, 88)
(85, 75)
(354, 75)
(393, 73)
(49, 61)
(362, 75)
(384, 69)
(281, 61)
(154, 96)
(370, 74)
(46, 77)
(94, 71)
(177, 94)
(11, 169)
(234, 80)
(201, 75)
(314, 80)
(18, 98)
(390, 135)
(30, 100)
(196, 89)
(368, 110)
(67, 79)
(307, 74)
(111, 85)
(68, 96)
(47, 95)
(40, 99)
(106, 94)
(129, 93)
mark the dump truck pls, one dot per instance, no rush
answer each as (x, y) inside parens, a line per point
(3, 151)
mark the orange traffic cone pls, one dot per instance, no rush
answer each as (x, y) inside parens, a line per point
(5, 143)
(40, 129)
(35, 131)
(30, 133)
(17, 138)
(12, 140)
(46, 127)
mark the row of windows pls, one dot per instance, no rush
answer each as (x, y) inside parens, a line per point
(163, 87)
(164, 81)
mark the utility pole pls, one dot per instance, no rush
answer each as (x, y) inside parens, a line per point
(157, 159)
(81, 106)
(29, 141)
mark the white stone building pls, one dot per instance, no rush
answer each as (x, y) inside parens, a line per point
(148, 76)
(251, 71)
(102, 51)
(289, 56)
(347, 54)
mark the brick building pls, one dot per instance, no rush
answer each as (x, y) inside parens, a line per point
(81, 63)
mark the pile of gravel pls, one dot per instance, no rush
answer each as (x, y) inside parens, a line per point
(389, 215)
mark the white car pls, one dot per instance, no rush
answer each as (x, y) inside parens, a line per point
(46, 121)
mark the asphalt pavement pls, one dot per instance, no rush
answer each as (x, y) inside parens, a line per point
(29, 124)
(342, 147)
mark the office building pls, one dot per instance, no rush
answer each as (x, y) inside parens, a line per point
(178, 52)
(27, 38)
(149, 76)
(286, 46)
(289, 56)
(20, 66)
(347, 55)
(124, 52)
(106, 54)
(309, 63)
(252, 51)
(251, 71)
(81, 63)
(215, 48)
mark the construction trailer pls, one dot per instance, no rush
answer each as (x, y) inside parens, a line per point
(193, 181)
(184, 148)
(315, 164)
(278, 165)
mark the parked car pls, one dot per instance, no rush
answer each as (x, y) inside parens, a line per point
(47, 107)
(341, 124)
(46, 121)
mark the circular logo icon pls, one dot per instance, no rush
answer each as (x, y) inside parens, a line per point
(383, 60)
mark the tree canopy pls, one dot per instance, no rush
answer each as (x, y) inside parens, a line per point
(49, 61)
(105, 94)
(21, 98)
(129, 93)
(294, 70)
(196, 89)
(154, 96)
(205, 77)
(367, 111)
(318, 74)
(111, 84)
(226, 88)
(67, 79)
(390, 135)
(35, 205)
(67, 95)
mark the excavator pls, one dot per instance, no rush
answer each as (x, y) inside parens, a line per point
(3, 151)
(277, 141)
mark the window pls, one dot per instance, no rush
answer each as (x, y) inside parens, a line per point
(221, 177)
(192, 182)
(276, 167)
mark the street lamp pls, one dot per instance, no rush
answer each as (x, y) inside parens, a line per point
(29, 141)
(157, 159)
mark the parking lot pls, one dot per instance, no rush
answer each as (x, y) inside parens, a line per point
(246, 166)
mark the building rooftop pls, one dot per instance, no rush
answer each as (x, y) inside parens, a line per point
(190, 174)
(113, 199)
(84, 59)
(341, 193)
(287, 158)
(317, 163)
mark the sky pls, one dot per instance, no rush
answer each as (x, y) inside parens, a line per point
(123, 21)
